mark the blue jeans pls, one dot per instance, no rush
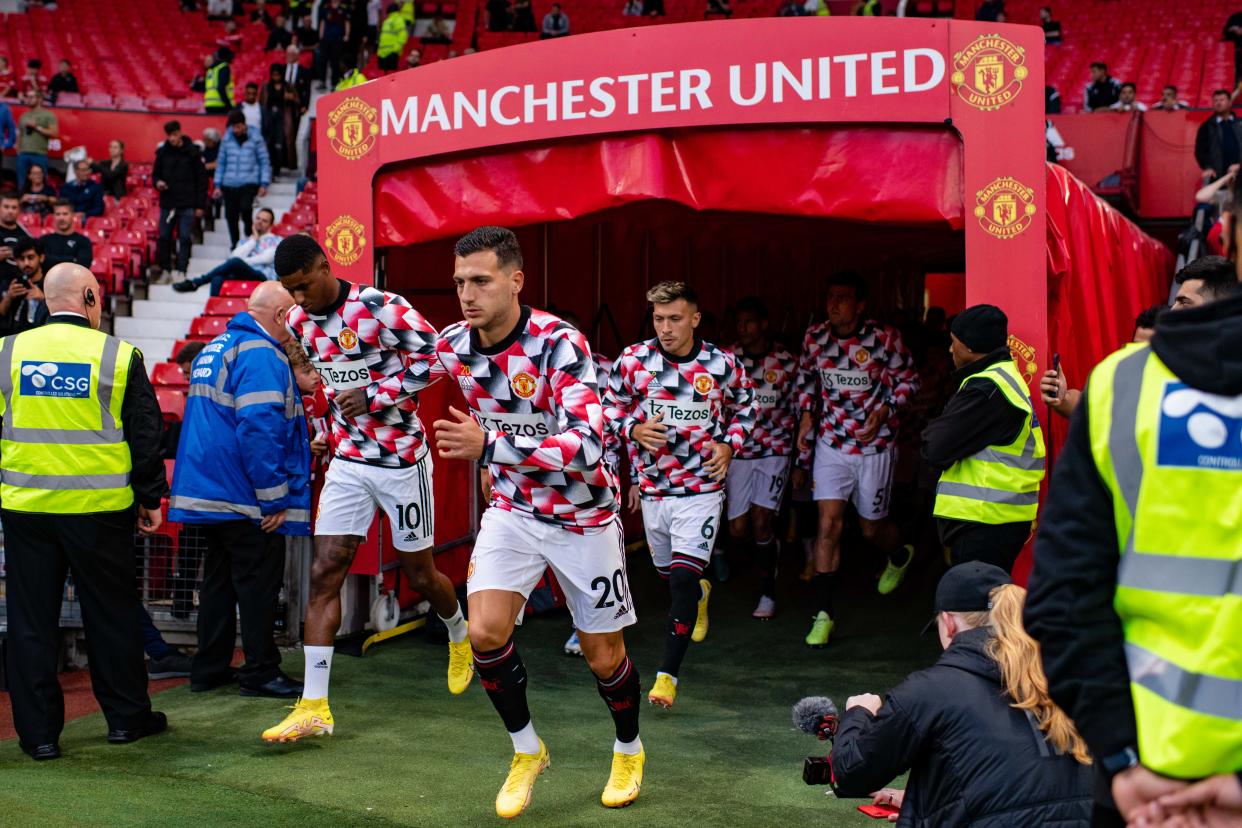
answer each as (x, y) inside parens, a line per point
(26, 160)
(152, 641)
(183, 219)
(231, 269)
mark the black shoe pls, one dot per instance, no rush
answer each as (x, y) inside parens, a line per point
(41, 753)
(185, 286)
(156, 723)
(171, 665)
(281, 687)
(208, 684)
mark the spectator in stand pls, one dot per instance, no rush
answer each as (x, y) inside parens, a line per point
(632, 8)
(720, 7)
(790, 8)
(1218, 143)
(333, 32)
(1102, 91)
(1169, 102)
(34, 80)
(84, 193)
(1206, 279)
(219, 9)
(38, 194)
(653, 8)
(8, 129)
(114, 173)
(8, 82)
(252, 111)
(218, 86)
(1052, 28)
(524, 16)
(1128, 102)
(989, 9)
(1233, 32)
(392, 37)
(1052, 101)
(181, 179)
(35, 128)
(279, 37)
(65, 244)
(251, 260)
(63, 81)
(199, 83)
(22, 306)
(871, 8)
(498, 16)
(281, 111)
(243, 170)
(555, 23)
(438, 30)
(10, 234)
(414, 59)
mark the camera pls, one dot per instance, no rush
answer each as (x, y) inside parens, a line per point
(817, 716)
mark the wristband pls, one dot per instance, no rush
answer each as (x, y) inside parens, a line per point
(1120, 761)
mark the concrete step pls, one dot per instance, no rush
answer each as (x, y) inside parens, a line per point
(200, 266)
(146, 309)
(165, 293)
(127, 326)
(210, 247)
(154, 349)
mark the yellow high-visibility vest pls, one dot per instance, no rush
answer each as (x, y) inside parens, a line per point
(212, 95)
(393, 35)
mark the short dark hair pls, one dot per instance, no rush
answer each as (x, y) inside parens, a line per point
(1148, 318)
(25, 244)
(848, 278)
(670, 291)
(1099, 64)
(189, 351)
(269, 211)
(1224, 92)
(753, 305)
(252, 85)
(1217, 273)
(1128, 85)
(1170, 88)
(499, 240)
(62, 202)
(297, 252)
(34, 63)
(10, 195)
(235, 117)
(171, 127)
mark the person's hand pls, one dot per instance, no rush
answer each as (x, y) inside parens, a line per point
(797, 478)
(651, 435)
(633, 499)
(34, 293)
(1208, 803)
(867, 701)
(216, 192)
(804, 430)
(262, 192)
(271, 523)
(460, 438)
(1052, 386)
(1233, 169)
(6, 252)
(319, 446)
(161, 186)
(889, 796)
(149, 520)
(352, 403)
(16, 291)
(717, 466)
(1137, 787)
(1208, 173)
(871, 427)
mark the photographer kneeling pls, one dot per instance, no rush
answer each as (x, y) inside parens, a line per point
(984, 744)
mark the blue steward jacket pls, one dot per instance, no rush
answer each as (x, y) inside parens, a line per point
(244, 449)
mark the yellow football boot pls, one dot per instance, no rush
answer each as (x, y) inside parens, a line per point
(700, 623)
(664, 693)
(310, 717)
(514, 795)
(461, 667)
(625, 780)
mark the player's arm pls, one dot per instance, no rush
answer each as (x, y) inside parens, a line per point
(260, 383)
(407, 332)
(740, 405)
(900, 379)
(621, 404)
(809, 391)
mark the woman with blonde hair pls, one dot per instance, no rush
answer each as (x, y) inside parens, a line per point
(983, 742)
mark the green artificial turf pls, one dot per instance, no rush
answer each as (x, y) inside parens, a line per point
(405, 752)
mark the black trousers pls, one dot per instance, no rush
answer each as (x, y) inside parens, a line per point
(242, 571)
(239, 203)
(998, 544)
(99, 550)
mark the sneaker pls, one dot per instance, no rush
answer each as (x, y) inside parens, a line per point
(700, 622)
(185, 286)
(460, 667)
(720, 566)
(573, 646)
(893, 575)
(625, 780)
(310, 717)
(172, 664)
(664, 693)
(515, 794)
(821, 628)
(766, 608)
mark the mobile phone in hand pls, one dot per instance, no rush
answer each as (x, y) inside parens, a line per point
(879, 811)
(1056, 362)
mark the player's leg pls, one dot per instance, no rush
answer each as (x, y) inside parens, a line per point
(739, 488)
(836, 478)
(769, 488)
(872, 499)
(693, 524)
(655, 526)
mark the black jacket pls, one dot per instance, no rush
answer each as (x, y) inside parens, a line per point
(181, 168)
(1069, 610)
(24, 314)
(1210, 149)
(73, 247)
(974, 760)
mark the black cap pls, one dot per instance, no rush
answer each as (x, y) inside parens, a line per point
(981, 328)
(968, 587)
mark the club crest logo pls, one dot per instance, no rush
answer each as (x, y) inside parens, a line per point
(348, 339)
(861, 357)
(1005, 208)
(524, 385)
(345, 239)
(470, 569)
(989, 72)
(353, 128)
(1024, 358)
(770, 376)
(704, 384)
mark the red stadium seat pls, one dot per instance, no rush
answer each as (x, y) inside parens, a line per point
(168, 375)
(172, 403)
(207, 328)
(242, 289)
(105, 222)
(227, 306)
(178, 345)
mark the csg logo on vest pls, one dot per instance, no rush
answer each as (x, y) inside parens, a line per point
(56, 379)
(1199, 430)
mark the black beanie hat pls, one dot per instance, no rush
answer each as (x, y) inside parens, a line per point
(982, 328)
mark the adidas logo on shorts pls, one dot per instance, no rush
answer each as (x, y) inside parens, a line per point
(411, 538)
(620, 612)
(703, 545)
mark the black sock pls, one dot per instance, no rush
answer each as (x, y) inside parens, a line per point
(620, 692)
(823, 590)
(683, 585)
(504, 678)
(766, 555)
(901, 556)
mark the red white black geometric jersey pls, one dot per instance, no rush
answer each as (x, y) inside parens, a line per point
(612, 446)
(841, 380)
(373, 340)
(775, 376)
(535, 396)
(705, 397)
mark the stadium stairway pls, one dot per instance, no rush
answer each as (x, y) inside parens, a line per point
(157, 322)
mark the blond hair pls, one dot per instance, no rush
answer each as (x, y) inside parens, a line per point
(1022, 674)
(666, 292)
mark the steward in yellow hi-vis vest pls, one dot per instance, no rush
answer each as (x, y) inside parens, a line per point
(79, 446)
(218, 84)
(988, 445)
(1136, 593)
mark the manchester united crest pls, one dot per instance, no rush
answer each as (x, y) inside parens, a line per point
(524, 385)
(1005, 208)
(345, 238)
(862, 356)
(1024, 358)
(770, 376)
(989, 72)
(348, 339)
(353, 128)
(703, 383)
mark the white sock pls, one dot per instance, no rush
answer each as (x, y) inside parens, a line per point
(318, 668)
(525, 740)
(457, 630)
(674, 678)
(631, 748)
